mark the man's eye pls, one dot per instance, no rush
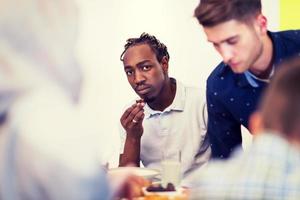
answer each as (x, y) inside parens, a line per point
(216, 45)
(232, 41)
(146, 67)
(129, 73)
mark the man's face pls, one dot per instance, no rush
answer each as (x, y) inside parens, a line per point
(145, 73)
(239, 44)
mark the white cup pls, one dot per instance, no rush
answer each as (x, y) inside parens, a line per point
(171, 172)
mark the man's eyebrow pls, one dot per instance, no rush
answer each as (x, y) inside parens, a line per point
(142, 62)
(127, 67)
(138, 64)
(222, 41)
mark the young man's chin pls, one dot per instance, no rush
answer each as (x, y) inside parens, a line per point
(148, 99)
(237, 69)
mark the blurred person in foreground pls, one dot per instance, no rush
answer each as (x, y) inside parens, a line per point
(269, 169)
(46, 149)
(251, 54)
(167, 118)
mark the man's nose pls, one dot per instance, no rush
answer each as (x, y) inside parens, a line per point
(226, 53)
(139, 77)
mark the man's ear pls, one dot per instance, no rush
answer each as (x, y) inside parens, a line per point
(261, 23)
(165, 64)
(255, 123)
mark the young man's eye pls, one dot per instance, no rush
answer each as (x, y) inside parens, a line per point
(232, 41)
(146, 67)
(216, 45)
(129, 73)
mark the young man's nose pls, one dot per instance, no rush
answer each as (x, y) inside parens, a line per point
(139, 77)
(226, 54)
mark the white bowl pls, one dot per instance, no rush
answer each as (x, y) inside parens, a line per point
(143, 172)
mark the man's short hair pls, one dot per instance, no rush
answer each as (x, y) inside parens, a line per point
(157, 47)
(212, 12)
(280, 107)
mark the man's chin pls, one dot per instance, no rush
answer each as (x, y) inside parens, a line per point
(237, 69)
(148, 99)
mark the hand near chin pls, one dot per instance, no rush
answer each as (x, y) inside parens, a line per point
(132, 119)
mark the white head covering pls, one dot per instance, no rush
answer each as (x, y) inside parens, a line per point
(37, 40)
(39, 156)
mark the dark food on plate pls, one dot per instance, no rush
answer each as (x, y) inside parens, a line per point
(159, 188)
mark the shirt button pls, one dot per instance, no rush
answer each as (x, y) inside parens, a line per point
(231, 99)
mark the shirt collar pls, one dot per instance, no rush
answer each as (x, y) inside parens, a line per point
(177, 104)
(254, 80)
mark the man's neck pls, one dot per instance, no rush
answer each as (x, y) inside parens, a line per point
(262, 68)
(166, 96)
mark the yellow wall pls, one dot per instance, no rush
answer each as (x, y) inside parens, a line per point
(289, 14)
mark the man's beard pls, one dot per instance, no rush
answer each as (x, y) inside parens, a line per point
(257, 56)
(149, 99)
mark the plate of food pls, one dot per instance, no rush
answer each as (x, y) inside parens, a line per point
(147, 173)
(170, 191)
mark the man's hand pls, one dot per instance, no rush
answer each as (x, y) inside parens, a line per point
(132, 119)
(127, 185)
(133, 187)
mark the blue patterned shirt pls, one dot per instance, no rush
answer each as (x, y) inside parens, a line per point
(231, 98)
(269, 169)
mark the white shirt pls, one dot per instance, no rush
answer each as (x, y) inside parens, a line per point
(180, 127)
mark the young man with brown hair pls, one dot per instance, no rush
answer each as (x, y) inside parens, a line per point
(238, 31)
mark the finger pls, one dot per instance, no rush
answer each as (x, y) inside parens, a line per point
(128, 116)
(134, 187)
(128, 111)
(139, 101)
(134, 112)
(138, 119)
